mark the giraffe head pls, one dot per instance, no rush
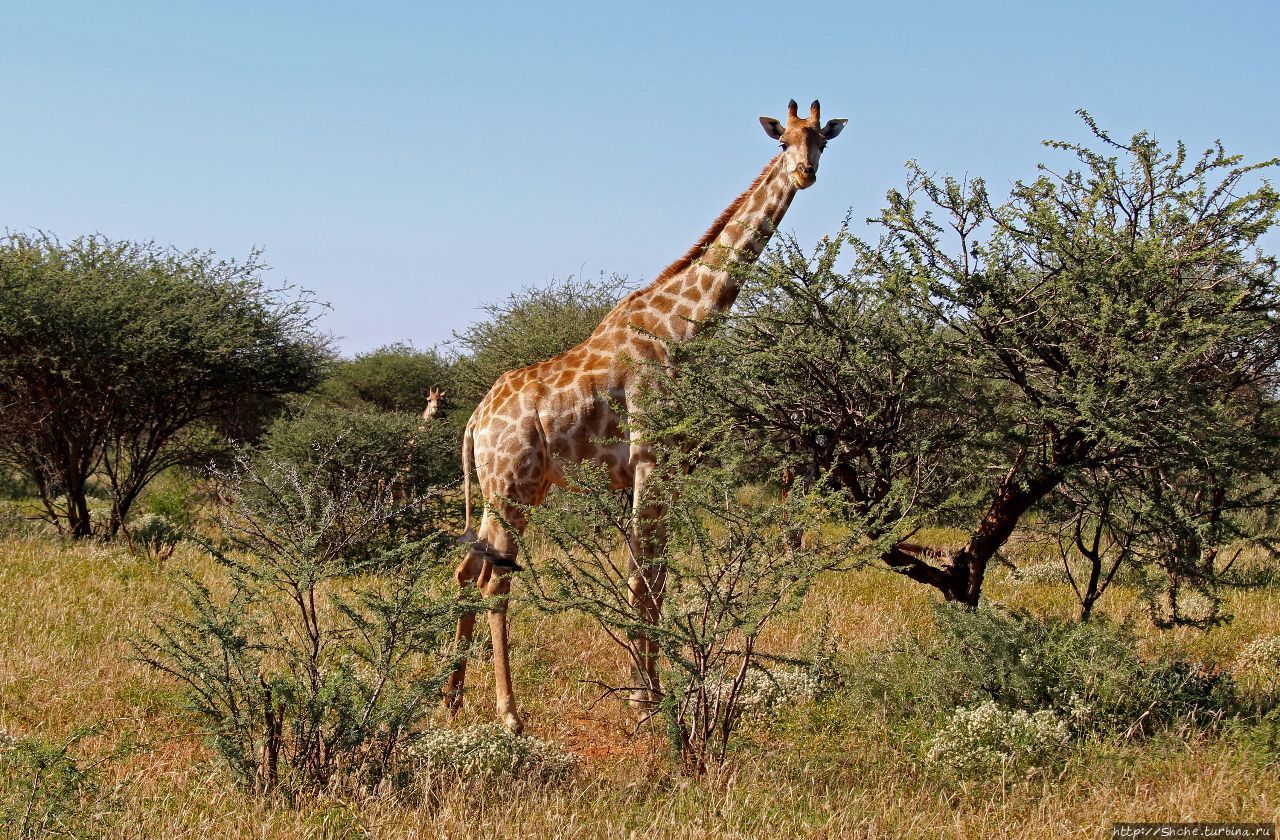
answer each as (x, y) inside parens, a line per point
(802, 141)
(435, 398)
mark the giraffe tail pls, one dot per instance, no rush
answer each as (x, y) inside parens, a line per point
(468, 454)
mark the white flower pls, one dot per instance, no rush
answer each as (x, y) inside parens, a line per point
(1050, 571)
(763, 692)
(982, 739)
(1258, 664)
(491, 752)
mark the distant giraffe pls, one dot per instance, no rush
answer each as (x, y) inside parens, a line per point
(538, 418)
(435, 400)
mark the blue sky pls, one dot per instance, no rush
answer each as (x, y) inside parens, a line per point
(409, 161)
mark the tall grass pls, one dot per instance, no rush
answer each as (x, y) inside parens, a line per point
(834, 767)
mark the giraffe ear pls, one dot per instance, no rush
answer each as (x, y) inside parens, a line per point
(772, 127)
(833, 128)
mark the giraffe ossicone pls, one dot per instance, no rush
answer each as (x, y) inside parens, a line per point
(571, 408)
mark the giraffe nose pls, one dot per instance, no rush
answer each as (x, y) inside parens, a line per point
(809, 169)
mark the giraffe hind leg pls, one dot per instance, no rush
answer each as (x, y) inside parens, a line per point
(497, 588)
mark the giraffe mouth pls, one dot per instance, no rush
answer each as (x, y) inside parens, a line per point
(802, 180)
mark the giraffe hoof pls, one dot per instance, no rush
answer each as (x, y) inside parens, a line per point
(513, 723)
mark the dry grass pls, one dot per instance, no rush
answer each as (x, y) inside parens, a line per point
(67, 612)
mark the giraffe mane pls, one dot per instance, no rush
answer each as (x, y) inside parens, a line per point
(716, 227)
(702, 244)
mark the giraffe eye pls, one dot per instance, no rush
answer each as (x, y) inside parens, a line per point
(782, 146)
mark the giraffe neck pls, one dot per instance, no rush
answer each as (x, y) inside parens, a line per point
(705, 281)
(754, 219)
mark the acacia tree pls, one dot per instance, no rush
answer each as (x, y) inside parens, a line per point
(841, 381)
(119, 360)
(304, 672)
(977, 357)
(1120, 311)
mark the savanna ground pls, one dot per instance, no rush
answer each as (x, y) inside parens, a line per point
(830, 768)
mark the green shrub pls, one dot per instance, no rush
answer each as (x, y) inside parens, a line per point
(1088, 674)
(391, 378)
(154, 536)
(390, 445)
(398, 459)
(176, 496)
(46, 792)
(306, 676)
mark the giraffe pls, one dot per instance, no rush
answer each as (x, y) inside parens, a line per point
(537, 419)
(435, 400)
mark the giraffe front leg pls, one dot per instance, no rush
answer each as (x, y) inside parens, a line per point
(646, 584)
(647, 579)
(468, 572)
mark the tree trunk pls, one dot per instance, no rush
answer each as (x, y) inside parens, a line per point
(960, 579)
(1013, 498)
(78, 509)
